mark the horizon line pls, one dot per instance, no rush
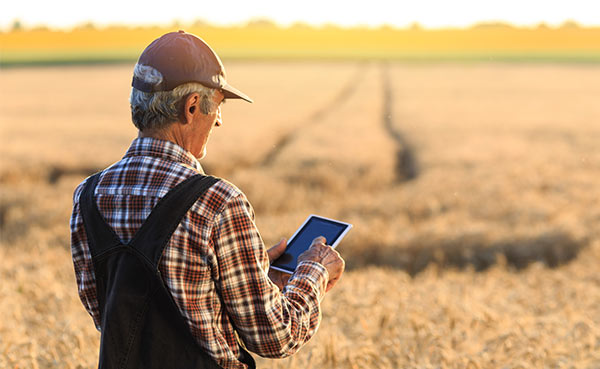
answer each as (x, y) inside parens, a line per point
(18, 26)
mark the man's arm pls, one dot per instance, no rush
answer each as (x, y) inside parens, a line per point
(82, 261)
(271, 323)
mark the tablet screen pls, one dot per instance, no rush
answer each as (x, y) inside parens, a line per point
(313, 228)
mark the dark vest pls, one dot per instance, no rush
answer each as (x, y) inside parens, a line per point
(141, 326)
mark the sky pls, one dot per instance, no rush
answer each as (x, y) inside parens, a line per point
(399, 13)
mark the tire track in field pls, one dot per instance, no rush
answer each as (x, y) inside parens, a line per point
(317, 116)
(406, 164)
(553, 249)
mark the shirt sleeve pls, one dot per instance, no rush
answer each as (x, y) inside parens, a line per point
(82, 262)
(271, 323)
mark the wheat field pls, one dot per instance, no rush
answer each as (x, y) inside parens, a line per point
(473, 190)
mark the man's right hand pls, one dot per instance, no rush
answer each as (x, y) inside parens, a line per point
(326, 256)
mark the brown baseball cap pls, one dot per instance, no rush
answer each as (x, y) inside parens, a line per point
(183, 57)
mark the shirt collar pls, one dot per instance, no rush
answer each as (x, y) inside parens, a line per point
(148, 146)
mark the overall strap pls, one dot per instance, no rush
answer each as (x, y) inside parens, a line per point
(154, 234)
(100, 236)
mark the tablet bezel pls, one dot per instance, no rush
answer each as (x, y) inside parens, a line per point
(347, 228)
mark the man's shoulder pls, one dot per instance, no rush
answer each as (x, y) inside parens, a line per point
(217, 197)
(209, 205)
(79, 190)
(226, 189)
(81, 186)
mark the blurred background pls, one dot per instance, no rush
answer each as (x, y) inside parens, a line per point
(459, 138)
(68, 32)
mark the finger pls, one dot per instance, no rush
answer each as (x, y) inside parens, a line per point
(277, 250)
(279, 278)
(319, 240)
(331, 283)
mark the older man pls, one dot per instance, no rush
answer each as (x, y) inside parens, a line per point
(168, 261)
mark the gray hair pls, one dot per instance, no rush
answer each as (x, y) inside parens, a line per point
(156, 110)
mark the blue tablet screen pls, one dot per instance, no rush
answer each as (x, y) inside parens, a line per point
(314, 228)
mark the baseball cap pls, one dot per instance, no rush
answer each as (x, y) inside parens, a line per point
(183, 57)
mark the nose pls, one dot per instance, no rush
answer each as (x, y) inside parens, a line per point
(219, 120)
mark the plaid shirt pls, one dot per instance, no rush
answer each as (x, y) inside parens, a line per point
(215, 264)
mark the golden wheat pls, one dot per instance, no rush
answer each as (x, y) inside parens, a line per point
(472, 188)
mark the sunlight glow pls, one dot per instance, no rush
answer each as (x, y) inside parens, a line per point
(373, 13)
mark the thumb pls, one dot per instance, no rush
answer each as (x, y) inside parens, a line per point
(319, 240)
(277, 250)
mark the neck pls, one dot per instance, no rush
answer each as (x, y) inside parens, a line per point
(171, 133)
(177, 134)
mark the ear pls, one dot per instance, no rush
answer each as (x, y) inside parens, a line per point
(191, 107)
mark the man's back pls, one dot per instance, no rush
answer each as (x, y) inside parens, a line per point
(140, 323)
(215, 265)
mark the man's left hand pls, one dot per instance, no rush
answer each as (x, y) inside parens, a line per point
(278, 277)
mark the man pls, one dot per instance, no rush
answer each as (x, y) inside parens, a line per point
(153, 216)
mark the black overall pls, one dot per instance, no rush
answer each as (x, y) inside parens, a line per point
(141, 326)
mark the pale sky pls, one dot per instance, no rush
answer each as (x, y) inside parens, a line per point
(400, 13)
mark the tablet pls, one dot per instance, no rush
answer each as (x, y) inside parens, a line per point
(313, 227)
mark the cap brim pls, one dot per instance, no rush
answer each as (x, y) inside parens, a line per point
(231, 92)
